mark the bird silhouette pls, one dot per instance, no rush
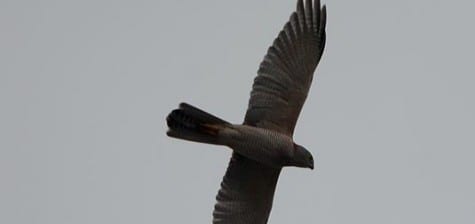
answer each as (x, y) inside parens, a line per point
(263, 144)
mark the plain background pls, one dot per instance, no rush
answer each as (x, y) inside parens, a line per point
(85, 87)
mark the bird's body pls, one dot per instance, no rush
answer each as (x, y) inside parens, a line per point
(263, 144)
(268, 147)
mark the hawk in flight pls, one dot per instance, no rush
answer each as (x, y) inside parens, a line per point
(263, 144)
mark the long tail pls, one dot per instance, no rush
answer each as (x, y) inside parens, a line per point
(192, 124)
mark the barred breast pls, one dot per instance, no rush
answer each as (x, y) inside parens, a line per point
(265, 146)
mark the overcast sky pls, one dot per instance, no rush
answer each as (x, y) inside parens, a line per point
(85, 87)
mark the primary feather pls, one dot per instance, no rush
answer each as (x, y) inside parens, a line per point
(263, 144)
(278, 94)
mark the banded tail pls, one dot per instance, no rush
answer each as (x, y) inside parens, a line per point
(192, 124)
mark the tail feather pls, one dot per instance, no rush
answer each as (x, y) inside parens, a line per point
(190, 123)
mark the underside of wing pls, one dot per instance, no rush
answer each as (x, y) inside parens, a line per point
(278, 94)
(246, 193)
(285, 75)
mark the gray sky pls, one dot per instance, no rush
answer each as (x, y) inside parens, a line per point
(85, 87)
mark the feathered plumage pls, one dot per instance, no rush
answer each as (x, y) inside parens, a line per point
(263, 144)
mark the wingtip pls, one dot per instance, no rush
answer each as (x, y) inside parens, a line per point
(323, 16)
(316, 4)
(299, 4)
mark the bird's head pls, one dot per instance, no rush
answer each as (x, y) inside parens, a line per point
(302, 157)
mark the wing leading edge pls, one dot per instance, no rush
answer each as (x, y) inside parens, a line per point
(278, 94)
(285, 75)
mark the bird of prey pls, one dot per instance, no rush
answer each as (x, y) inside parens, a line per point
(263, 144)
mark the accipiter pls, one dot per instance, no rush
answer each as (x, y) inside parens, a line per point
(263, 144)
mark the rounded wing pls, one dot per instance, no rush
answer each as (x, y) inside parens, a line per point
(246, 193)
(285, 75)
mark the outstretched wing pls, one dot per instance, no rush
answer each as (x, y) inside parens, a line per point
(285, 75)
(279, 91)
(246, 193)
